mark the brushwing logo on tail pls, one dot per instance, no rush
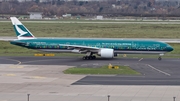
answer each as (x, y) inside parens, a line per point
(21, 32)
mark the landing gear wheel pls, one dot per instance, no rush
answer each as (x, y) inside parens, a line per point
(93, 57)
(159, 58)
(89, 57)
(84, 58)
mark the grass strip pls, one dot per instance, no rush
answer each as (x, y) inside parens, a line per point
(123, 70)
(94, 30)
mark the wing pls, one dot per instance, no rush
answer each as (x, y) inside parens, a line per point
(82, 49)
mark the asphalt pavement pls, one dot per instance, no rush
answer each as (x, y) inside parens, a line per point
(153, 71)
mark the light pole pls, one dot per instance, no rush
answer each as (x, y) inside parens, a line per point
(28, 97)
(108, 97)
(174, 98)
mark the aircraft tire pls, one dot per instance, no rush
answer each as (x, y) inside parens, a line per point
(93, 57)
(85, 57)
(89, 57)
(159, 58)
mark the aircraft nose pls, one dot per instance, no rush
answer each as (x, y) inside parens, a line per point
(170, 48)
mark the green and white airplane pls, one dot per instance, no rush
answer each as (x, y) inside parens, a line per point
(105, 48)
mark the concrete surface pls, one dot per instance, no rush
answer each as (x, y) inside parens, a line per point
(48, 83)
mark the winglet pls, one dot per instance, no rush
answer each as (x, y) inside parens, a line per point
(21, 31)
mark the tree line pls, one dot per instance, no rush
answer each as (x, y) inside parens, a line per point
(110, 7)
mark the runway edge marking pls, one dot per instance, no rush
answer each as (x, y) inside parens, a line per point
(159, 70)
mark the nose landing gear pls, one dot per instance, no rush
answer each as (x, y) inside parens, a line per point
(160, 58)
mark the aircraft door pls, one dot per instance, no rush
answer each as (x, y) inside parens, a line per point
(133, 45)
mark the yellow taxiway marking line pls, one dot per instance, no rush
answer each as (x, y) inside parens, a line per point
(38, 77)
(141, 59)
(10, 74)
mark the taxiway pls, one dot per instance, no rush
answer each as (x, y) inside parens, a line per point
(43, 79)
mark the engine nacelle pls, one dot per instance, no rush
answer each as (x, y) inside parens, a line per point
(106, 53)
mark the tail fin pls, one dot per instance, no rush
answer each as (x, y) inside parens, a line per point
(21, 31)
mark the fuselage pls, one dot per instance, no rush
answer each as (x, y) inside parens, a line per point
(119, 46)
(105, 48)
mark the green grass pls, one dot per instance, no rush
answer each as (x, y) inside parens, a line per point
(176, 47)
(123, 70)
(94, 30)
(7, 49)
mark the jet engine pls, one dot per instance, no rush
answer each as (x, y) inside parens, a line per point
(106, 53)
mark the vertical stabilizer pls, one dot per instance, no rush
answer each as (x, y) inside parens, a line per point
(21, 31)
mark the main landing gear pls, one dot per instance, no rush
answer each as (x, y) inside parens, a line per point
(89, 57)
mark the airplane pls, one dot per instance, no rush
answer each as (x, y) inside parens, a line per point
(105, 48)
